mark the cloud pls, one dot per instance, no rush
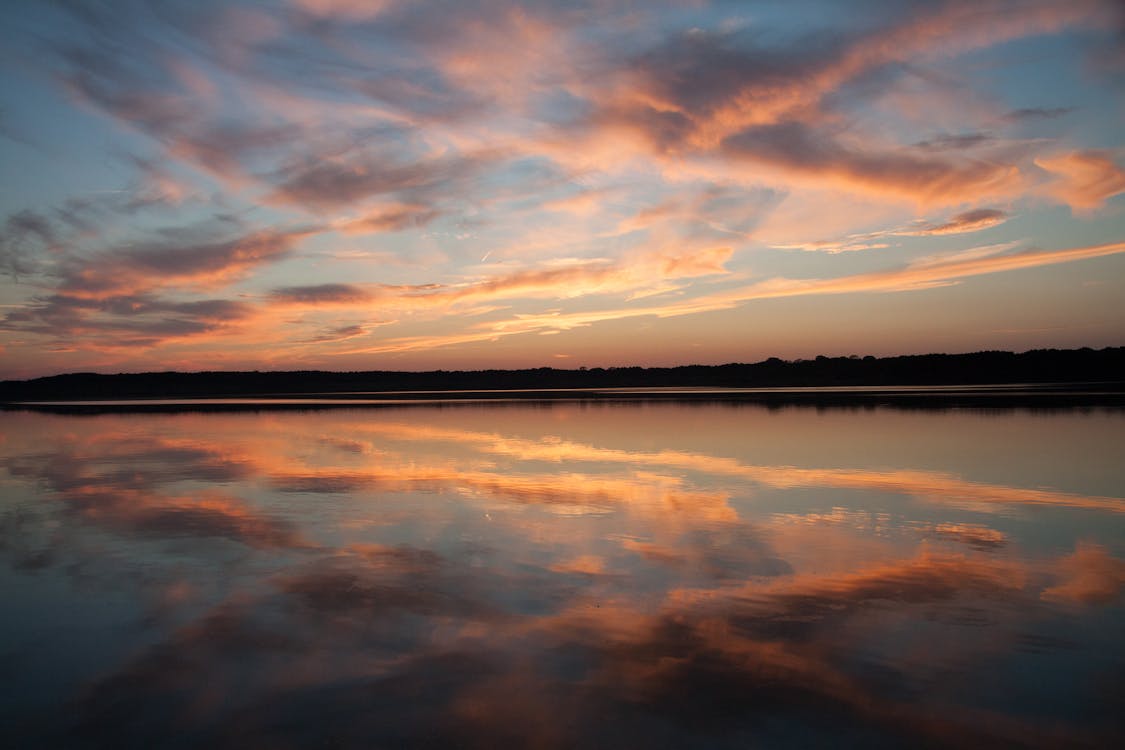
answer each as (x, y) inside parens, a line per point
(212, 515)
(798, 148)
(133, 270)
(340, 333)
(124, 321)
(715, 84)
(968, 221)
(24, 233)
(140, 296)
(1084, 179)
(321, 293)
(670, 625)
(451, 128)
(933, 272)
(121, 487)
(568, 494)
(790, 608)
(1038, 113)
(573, 279)
(377, 581)
(933, 486)
(132, 71)
(954, 142)
(320, 183)
(394, 218)
(1089, 576)
(594, 276)
(349, 10)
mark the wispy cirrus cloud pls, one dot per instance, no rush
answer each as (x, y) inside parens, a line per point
(925, 274)
(967, 221)
(320, 183)
(575, 278)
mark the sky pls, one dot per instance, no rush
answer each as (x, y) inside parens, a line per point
(382, 184)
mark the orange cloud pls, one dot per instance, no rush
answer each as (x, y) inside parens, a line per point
(968, 221)
(1084, 179)
(933, 272)
(392, 218)
(1089, 576)
(933, 486)
(574, 279)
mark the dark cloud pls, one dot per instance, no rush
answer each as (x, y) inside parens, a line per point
(803, 610)
(169, 677)
(340, 333)
(227, 149)
(954, 142)
(1038, 113)
(332, 183)
(665, 131)
(25, 224)
(389, 582)
(320, 293)
(24, 234)
(726, 554)
(346, 641)
(803, 149)
(124, 320)
(123, 463)
(123, 488)
(699, 71)
(132, 270)
(208, 516)
(320, 483)
(968, 221)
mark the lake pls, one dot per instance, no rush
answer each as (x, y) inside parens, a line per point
(567, 574)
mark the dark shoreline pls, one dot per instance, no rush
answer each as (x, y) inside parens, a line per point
(1044, 377)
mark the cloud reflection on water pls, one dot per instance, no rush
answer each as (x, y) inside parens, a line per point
(405, 578)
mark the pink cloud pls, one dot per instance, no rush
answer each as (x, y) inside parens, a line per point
(1084, 179)
(1089, 576)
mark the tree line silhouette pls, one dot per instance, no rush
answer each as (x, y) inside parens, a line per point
(979, 368)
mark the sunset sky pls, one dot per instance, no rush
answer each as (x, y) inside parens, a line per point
(381, 184)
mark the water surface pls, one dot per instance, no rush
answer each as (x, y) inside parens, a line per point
(563, 575)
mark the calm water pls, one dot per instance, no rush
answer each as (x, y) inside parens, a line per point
(563, 575)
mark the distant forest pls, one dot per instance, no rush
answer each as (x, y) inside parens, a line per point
(980, 368)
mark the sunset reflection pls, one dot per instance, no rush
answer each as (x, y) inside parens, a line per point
(405, 577)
